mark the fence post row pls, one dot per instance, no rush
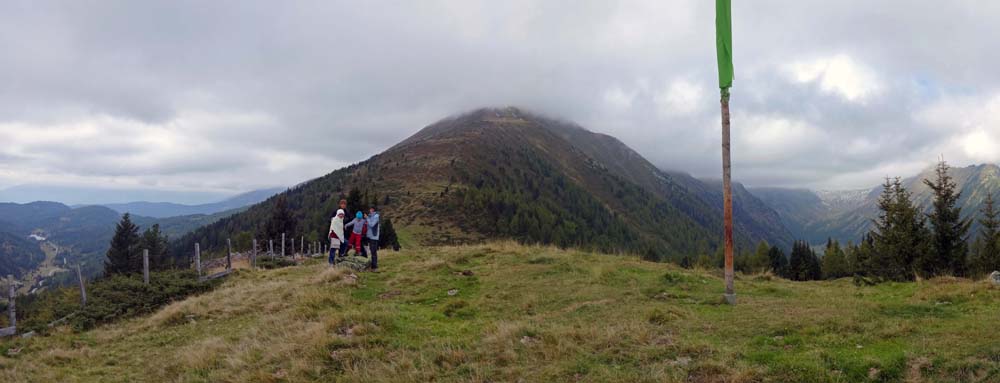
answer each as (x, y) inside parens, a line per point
(145, 266)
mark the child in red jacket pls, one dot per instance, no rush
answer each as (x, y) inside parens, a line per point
(359, 227)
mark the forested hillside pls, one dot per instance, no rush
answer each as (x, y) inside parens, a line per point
(505, 173)
(17, 255)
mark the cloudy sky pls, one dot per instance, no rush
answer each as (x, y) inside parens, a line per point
(203, 99)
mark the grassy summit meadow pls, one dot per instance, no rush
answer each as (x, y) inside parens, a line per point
(505, 312)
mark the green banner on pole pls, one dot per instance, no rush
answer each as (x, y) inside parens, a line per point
(724, 43)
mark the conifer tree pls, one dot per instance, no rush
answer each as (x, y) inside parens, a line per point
(124, 256)
(387, 235)
(834, 261)
(948, 245)
(779, 264)
(900, 235)
(803, 265)
(354, 202)
(154, 241)
(281, 220)
(760, 261)
(988, 257)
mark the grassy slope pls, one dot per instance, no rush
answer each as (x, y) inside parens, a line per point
(539, 314)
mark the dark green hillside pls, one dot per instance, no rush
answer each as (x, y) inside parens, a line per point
(175, 227)
(504, 173)
(23, 218)
(18, 255)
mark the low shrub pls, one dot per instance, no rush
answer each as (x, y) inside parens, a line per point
(109, 299)
(274, 262)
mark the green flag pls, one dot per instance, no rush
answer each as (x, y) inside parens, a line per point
(724, 43)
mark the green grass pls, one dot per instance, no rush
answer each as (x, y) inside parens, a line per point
(537, 314)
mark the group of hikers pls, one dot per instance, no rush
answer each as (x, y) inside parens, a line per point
(361, 234)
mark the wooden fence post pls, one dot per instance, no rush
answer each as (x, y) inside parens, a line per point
(282, 245)
(302, 244)
(253, 255)
(83, 289)
(270, 248)
(145, 266)
(293, 247)
(12, 294)
(229, 254)
(197, 258)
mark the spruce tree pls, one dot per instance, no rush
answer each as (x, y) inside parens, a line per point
(760, 261)
(354, 202)
(900, 235)
(948, 245)
(988, 257)
(154, 241)
(281, 220)
(124, 256)
(834, 261)
(779, 264)
(387, 235)
(803, 265)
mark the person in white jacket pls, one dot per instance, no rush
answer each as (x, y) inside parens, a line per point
(336, 234)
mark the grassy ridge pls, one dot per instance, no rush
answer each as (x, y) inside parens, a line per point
(537, 314)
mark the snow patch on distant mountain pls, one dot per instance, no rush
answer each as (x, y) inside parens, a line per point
(842, 199)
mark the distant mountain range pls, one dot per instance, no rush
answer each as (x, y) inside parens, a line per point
(169, 209)
(83, 195)
(847, 215)
(82, 233)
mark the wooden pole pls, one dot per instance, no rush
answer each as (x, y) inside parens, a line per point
(302, 244)
(145, 266)
(197, 258)
(282, 245)
(293, 247)
(12, 295)
(727, 201)
(83, 289)
(229, 254)
(270, 248)
(253, 256)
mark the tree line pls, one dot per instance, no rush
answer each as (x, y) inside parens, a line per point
(904, 244)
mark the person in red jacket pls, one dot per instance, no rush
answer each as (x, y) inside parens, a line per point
(359, 227)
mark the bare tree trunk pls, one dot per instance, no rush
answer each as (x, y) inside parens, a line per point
(727, 201)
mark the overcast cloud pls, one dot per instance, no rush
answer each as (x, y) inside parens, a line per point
(220, 97)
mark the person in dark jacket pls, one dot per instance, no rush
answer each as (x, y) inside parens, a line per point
(344, 245)
(373, 231)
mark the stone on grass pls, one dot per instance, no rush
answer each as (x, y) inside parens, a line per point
(995, 278)
(354, 263)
